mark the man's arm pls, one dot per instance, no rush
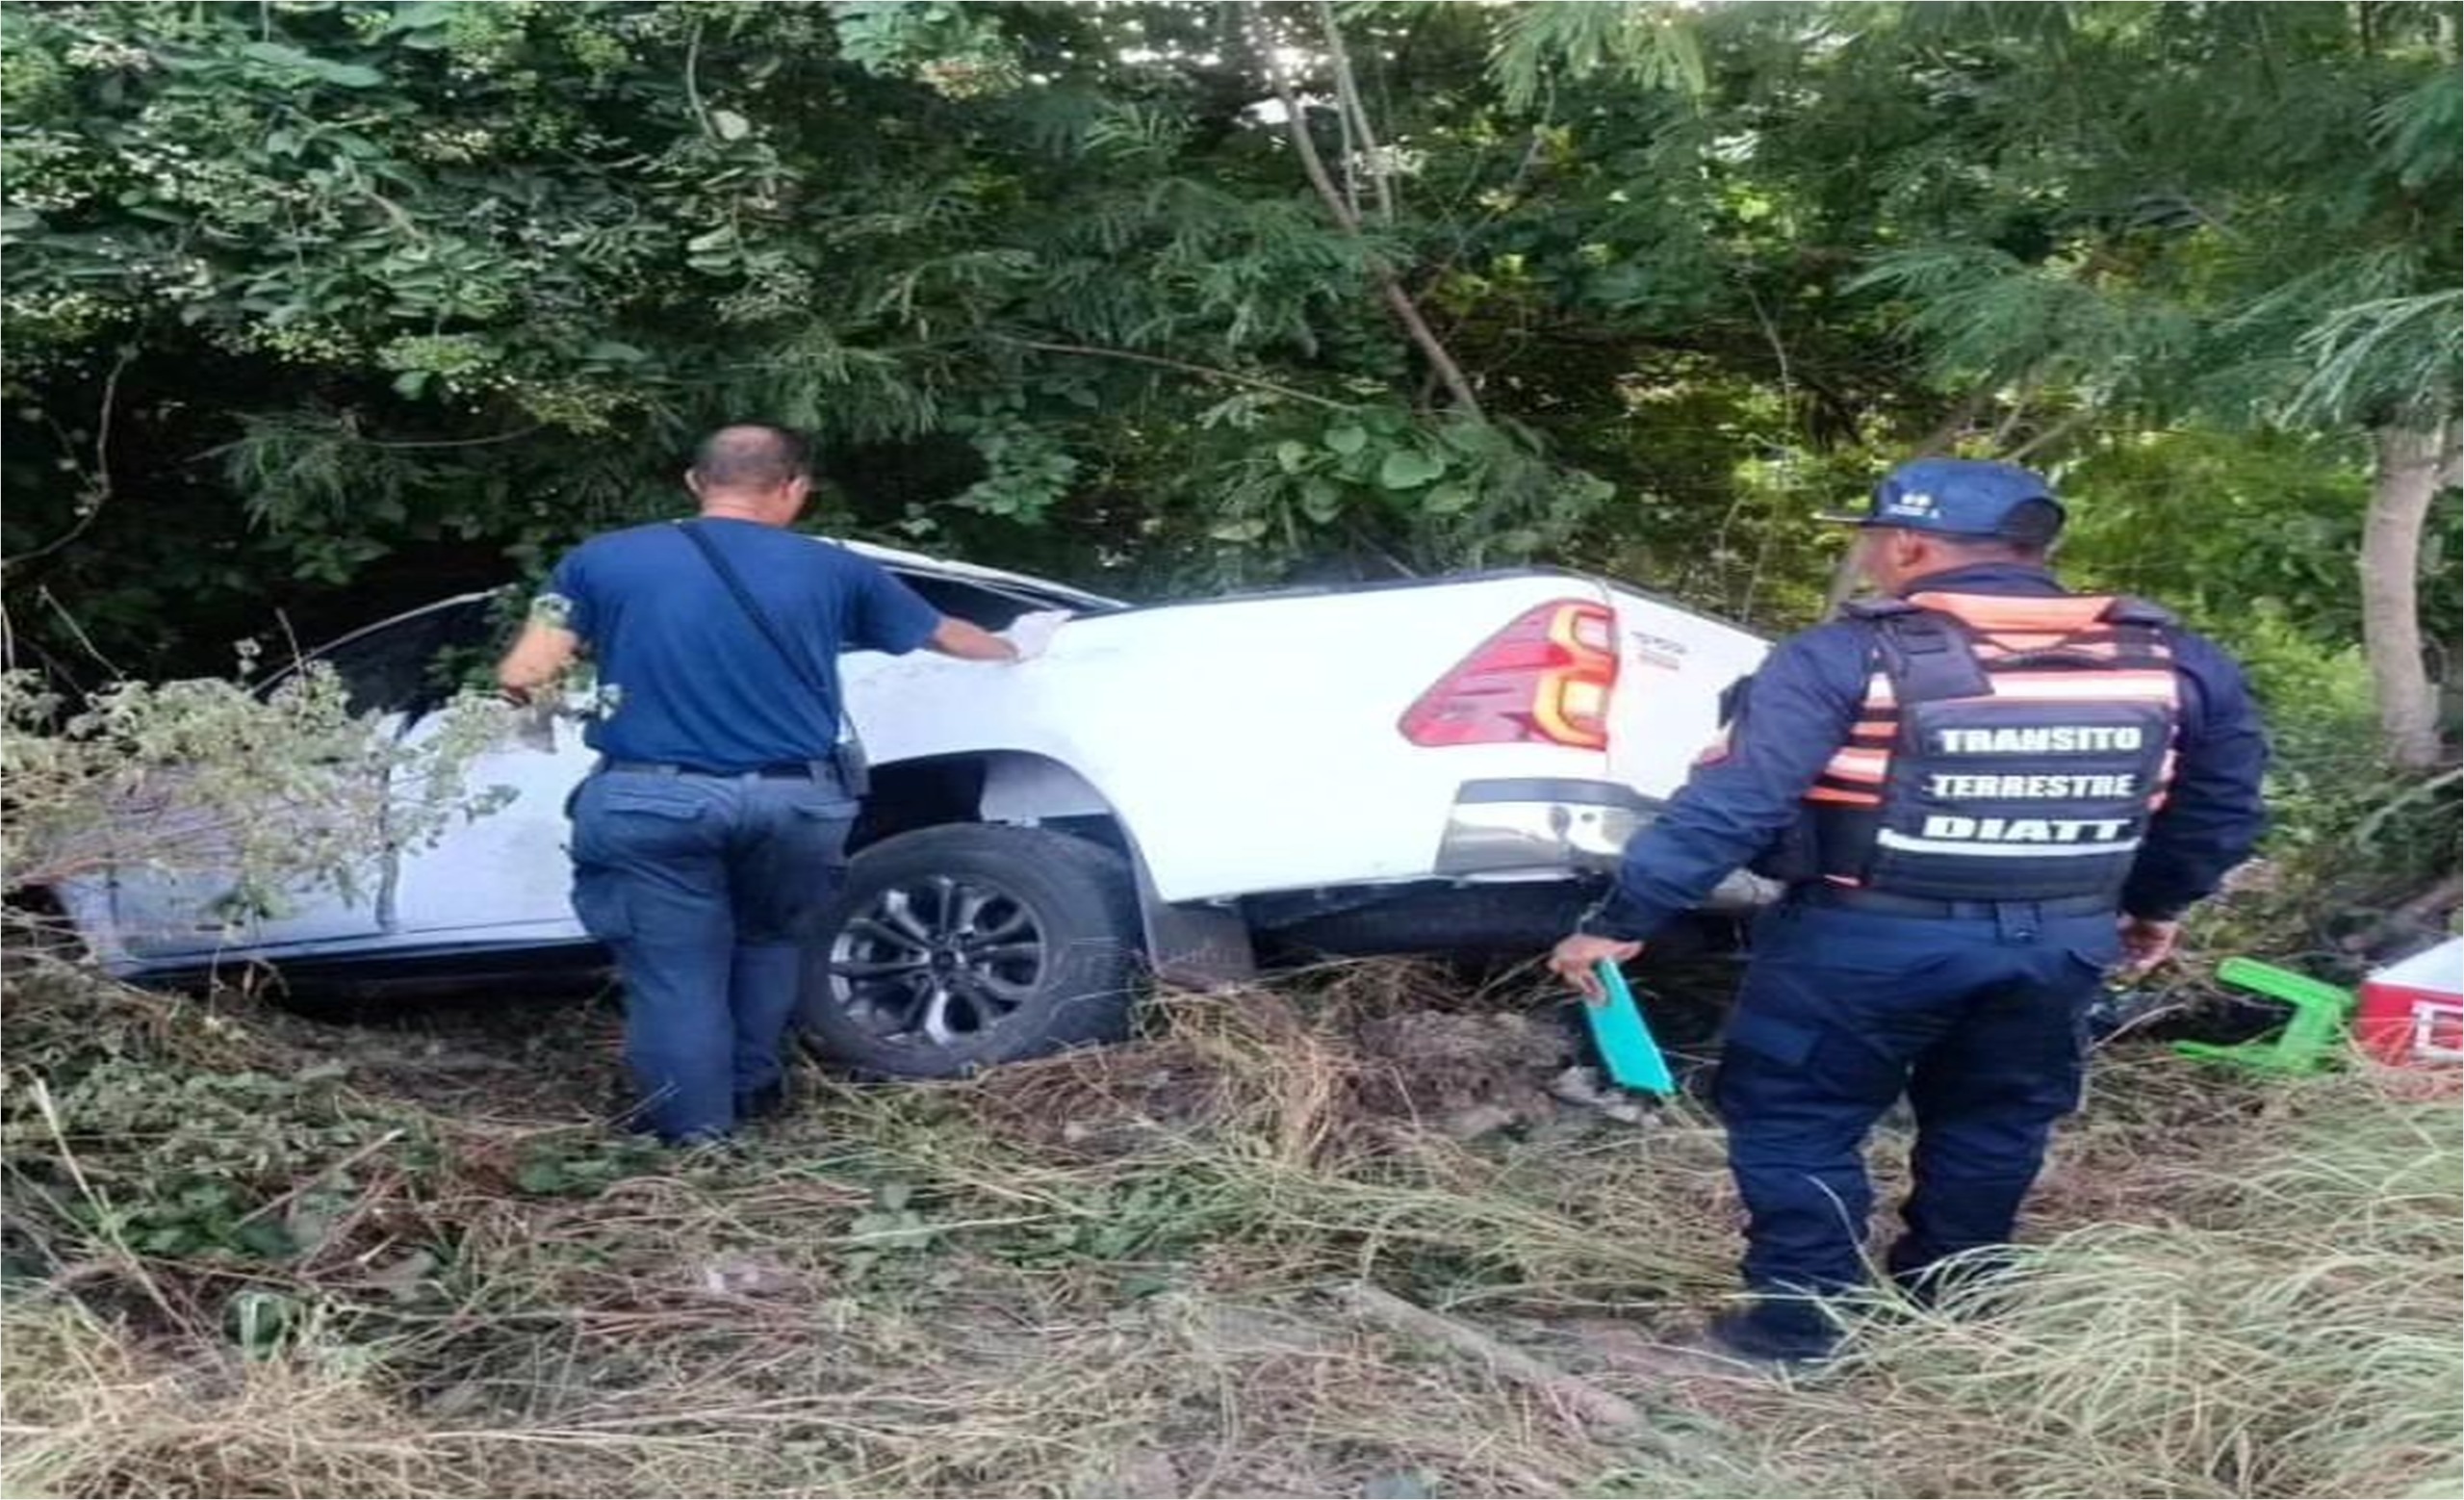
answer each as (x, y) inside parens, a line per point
(550, 641)
(536, 660)
(884, 614)
(1799, 709)
(2213, 812)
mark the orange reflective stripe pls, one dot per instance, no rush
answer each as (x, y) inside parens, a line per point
(2061, 614)
(1861, 799)
(2148, 686)
(1850, 764)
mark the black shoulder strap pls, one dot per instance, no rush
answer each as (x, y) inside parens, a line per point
(760, 618)
(2126, 610)
(2143, 630)
(1927, 654)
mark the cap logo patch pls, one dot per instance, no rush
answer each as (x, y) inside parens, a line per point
(1911, 503)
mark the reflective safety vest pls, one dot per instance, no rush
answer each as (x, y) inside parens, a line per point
(2008, 749)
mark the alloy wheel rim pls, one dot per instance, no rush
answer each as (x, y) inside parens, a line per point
(938, 961)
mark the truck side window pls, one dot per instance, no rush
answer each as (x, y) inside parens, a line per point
(412, 664)
(977, 604)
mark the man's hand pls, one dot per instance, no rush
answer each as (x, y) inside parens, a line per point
(969, 641)
(1573, 959)
(2145, 943)
(1030, 634)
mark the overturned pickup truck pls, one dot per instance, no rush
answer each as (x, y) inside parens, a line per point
(1418, 766)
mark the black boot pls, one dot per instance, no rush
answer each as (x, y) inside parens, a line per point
(763, 1103)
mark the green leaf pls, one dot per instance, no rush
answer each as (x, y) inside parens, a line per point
(267, 1238)
(1445, 500)
(542, 1176)
(345, 75)
(420, 15)
(1409, 468)
(1291, 455)
(730, 125)
(1347, 439)
(1321, 501)
(1248, 531)
(411, 383)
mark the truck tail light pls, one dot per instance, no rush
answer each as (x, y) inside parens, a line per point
(1545, 679)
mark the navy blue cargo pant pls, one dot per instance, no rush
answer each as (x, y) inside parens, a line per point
(706, 889)
(1980, 1021)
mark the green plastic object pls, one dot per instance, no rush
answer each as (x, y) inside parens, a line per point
(2311, 1042)
(1634, 1060)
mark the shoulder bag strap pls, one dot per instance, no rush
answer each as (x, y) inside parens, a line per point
(760, 618)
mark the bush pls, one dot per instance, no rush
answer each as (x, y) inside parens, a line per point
(281, 790)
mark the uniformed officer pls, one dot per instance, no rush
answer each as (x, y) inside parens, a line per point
(1983, 792)
(714, 827)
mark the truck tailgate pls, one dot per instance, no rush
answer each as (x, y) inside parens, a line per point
(1672, 664)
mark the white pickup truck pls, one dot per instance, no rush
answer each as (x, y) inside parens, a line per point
(1431, 766)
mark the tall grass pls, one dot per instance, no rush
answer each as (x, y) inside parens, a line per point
(1108, 1274)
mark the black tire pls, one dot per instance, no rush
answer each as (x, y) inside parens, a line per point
(955, 949)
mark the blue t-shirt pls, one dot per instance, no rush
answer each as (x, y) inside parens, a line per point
(685, 678)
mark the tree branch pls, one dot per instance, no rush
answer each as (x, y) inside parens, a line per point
(693, 81)
(1390, 290)
(2051, 436)
(1135, 357)
(1356, 115)
(100, 491)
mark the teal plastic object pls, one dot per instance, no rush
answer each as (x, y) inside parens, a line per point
(1634, 1060)
(2311, 1042)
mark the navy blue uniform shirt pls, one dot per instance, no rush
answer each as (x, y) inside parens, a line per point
(1802, 705)
(688, 678)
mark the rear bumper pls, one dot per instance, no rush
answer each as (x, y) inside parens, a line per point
(1553, 825)
(1541, 823)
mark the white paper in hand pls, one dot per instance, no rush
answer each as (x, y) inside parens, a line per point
(1032, 632)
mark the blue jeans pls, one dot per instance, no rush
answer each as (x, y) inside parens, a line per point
(706, 889)
(1980, 1023)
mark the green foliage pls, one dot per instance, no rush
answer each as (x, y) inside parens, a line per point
(220, 1166)
(279, 791)
(323, 301)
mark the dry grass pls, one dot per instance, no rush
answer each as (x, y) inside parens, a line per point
(1108, 1274)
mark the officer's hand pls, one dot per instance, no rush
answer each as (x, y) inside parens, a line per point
(1030, 634)
(2145, 943)
(1574, 958)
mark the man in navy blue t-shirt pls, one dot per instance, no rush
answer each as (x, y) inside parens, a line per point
(714, 828)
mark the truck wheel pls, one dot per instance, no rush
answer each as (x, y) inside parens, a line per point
(957, 948)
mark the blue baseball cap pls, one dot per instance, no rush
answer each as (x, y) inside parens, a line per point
(1963, 497)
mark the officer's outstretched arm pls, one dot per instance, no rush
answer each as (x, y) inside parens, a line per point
(1800, 707)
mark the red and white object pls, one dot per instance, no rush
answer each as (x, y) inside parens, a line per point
(2412, 1013)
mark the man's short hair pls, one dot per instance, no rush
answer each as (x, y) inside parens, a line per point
(752, 456)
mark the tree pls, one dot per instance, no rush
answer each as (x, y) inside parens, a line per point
(2236, 214)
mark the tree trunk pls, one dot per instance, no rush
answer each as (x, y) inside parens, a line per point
(2413, 465)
